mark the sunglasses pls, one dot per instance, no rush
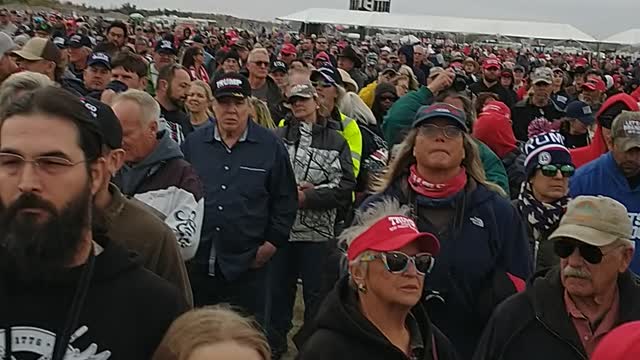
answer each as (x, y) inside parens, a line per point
(397, 262)
(591, 253)
(261, 63)
(552, 170)
(432, 131)
(321, 83)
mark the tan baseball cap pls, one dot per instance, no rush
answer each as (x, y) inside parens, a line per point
(39, 49)
(595, 220)
(625, 130)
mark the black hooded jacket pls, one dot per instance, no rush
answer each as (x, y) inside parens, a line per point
(125, 313)
(341, 332)
(534, 325)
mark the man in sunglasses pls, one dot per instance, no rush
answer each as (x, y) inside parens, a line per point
(263, 86)
(566, 313)
(616, 174)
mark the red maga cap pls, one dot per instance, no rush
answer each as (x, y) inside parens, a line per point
(492, 63)
(595, 84)
(392, 233)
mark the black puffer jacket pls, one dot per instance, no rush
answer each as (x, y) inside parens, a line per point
(341, 332)
(534, 325)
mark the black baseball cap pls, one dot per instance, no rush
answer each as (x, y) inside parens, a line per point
(279, 66)
(231, 85)
(165, 46)
(78, 40)
(107, 121)
(327, 73)
(61, 42)
(100, 58)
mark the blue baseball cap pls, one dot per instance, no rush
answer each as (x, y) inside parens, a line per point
(580, 110)
(441, 111)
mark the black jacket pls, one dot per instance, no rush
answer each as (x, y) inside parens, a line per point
(534, 325)
(341, 332)
(514, 165)
(524, 112)
(126, 311)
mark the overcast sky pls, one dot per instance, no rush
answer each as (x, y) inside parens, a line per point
(597, 18)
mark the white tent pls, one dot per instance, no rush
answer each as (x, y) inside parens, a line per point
(523, 29)
(629, 37)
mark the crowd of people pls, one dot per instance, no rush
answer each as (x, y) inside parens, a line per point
(165, 192)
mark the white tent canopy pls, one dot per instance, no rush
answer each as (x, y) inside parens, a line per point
(629, 37)
(524, 29)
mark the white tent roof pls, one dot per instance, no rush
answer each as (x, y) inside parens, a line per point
(525, 29)
(629, 37)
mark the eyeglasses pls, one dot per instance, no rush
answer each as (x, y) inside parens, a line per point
(397, 262)
(591, 253)
(321, 83)
(552, 170)
(432, 131)
(261, 63)
(12, 164)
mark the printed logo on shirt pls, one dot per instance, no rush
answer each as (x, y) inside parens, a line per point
(34, 343)
(635, 222)
(477, 222)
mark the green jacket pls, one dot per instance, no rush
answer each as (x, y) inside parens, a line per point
(400, 117)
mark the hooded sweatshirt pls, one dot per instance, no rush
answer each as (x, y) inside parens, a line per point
(342, 332)
(124, 315)
(598, 146)
(166, 182)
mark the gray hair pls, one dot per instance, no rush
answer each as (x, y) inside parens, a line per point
(365, 219)
(15, 85)
(148, 105)
(256, 51)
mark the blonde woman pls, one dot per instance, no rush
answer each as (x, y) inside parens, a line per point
(213, 333)
(198, 104)
(260, 113)
(438, 173)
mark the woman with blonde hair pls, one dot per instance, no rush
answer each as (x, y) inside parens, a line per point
(260, 113)
(485, 255)
(213, 333)
(198, 104)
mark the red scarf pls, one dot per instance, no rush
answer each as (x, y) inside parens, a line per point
(437, 191)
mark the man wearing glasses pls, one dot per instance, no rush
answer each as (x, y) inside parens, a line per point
(264, 87)
(616, 174)
(566, 313)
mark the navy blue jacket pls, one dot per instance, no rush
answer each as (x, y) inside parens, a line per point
(487, 241)
(250, 196)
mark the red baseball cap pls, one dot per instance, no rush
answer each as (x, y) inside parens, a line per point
(496, 107)
(595, 84)
(491, 63)
(622, 343)
(322, 56)
(581, 62)
(288, 49)
(392, 233)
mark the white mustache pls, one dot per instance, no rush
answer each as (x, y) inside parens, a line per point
(570, 271)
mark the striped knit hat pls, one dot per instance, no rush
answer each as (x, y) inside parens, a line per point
(545, 149)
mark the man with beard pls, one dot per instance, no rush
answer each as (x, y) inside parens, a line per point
(130, 222)
(594, 92)
(566, 312)
(490, 81)
(616, 174)
(171, 92)
(63, 287)
(155, 171)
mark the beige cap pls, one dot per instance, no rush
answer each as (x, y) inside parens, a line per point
(595, 220)
(625, 130)
(39, 49)
(347, 79)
